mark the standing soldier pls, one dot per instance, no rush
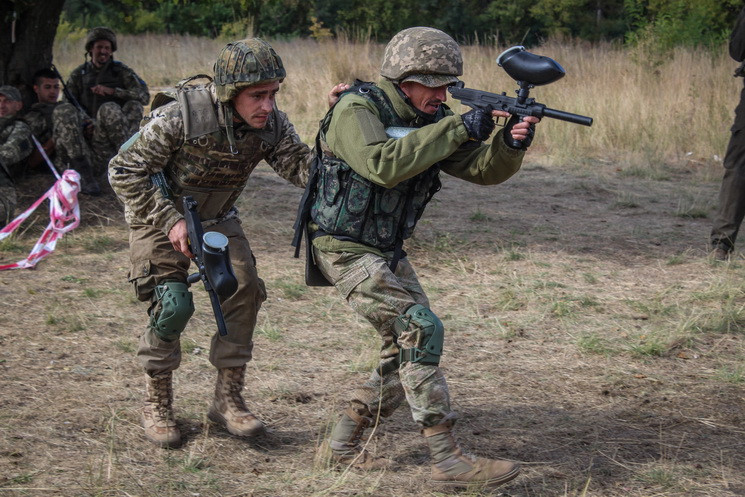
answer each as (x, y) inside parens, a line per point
(59, 128)
(732, 192)
(15, 147)
(111, 95)
(370, 192)
(210, 159)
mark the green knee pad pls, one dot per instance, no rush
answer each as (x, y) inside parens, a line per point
(429, 348)
(172, 310)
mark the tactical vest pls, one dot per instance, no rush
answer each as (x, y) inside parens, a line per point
(350, 207)
(110, 75)
(205, 167)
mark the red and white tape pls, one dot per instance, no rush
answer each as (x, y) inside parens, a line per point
(64, 216)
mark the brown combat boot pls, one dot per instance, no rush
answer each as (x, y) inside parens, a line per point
(229, 409)
(157, 414)
(450, 466)
(345, 443)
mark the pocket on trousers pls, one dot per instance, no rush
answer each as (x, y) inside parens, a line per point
(351, 279)
(141, 277)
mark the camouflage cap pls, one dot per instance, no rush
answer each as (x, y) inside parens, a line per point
(10, 92)
(245, 63)
(100, 33)
(425, 55)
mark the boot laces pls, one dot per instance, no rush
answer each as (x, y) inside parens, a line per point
(234, 377)
(164, 394)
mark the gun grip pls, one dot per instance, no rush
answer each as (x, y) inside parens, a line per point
(217, 266)
(514, 143)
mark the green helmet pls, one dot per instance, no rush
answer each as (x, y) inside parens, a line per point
(100, 33)
(245, 63)
(424, 55)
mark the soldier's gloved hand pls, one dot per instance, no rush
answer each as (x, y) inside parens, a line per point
(517, 144)
(479, 124)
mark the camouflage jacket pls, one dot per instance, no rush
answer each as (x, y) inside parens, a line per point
(39, 119)
(160, 145)
(126, 83)
(15, 143)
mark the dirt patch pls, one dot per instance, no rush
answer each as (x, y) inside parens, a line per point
(587, 336)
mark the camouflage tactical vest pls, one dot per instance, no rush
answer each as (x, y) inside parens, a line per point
(204, 167)
(110, 75)
(351, 207)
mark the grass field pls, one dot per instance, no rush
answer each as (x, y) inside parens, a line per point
(588, 334)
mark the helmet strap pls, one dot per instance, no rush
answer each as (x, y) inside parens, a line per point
(227, 111)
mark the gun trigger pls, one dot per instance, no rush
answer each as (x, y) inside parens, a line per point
(501, 123)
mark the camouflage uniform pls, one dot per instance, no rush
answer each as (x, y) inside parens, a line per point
(205, 168)
(63, 123)
(15, 147)
(116, 117)
(731, 209)
(361, 272)
(367, 192)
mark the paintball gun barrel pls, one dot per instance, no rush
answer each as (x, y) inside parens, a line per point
(212, 258)
(529, 70)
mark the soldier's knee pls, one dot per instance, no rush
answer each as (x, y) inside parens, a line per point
(430, 338)
(172, 308)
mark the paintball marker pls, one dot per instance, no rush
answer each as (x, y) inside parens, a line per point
(213, 261)
(529, 70)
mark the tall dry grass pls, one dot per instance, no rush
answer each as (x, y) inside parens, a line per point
(650, 110)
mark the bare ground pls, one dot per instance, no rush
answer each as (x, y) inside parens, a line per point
(587, 336)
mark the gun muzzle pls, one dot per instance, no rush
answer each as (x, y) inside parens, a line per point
(217, 266)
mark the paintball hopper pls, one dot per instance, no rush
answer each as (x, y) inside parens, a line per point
(529, 68)
(217, 265)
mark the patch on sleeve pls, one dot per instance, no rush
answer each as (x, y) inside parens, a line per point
(371, 128)
(129, 142)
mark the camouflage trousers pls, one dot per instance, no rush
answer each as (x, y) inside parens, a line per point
(154, 261)
(371, 289)
(113, 126)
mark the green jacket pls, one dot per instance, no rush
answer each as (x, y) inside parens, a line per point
(357, 136)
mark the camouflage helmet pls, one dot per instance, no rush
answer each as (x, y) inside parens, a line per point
(424, 55)
(245, 63)
(100, 33)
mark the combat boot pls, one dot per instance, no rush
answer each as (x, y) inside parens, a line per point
(229, 409)
(157, 414)
(345, 443)
(451, 466)
(88, 183)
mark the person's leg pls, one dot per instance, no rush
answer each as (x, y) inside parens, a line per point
(71, 148)
(158, 275)
(731, 208)
(230, 353)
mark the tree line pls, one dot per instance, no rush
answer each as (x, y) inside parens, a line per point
(667, 23)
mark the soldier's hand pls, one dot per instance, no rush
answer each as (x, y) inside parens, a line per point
(179, 238)
(333, 95)
(102, 90)
(479, 124)
(520, 131)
